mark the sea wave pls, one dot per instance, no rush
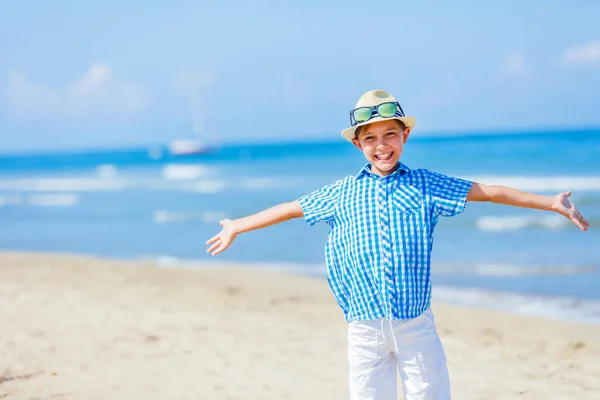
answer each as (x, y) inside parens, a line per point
(11, 200)
(106, 171)
(518, 222)
(40, 200)
(107, 180)
(541, 183)
(102, 184)
(53, 200)
(523, 222)
(513, 270)
(198, 186)
(203, 179)
(550, 307)
(59, 184)
(167, 216)
(186, 171)
(262, 183)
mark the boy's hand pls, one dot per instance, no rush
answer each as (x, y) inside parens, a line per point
(271, 216)
(222, 241)
(562, 205)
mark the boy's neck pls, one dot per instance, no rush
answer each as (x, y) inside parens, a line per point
(383, 174)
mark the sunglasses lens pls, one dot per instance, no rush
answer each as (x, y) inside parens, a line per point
(362, 114)
(387, 110)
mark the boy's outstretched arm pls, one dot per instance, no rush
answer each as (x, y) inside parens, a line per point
(513, 197)
(271, 216)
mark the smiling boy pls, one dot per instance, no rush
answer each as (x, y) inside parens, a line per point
(379, 249)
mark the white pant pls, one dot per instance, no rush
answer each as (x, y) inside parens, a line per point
(378, 349)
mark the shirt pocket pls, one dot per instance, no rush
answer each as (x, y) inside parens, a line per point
(407, 199)
(408, 219)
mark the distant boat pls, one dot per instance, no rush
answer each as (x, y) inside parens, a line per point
(187, 147)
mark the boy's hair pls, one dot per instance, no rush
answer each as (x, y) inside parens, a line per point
(400, 124)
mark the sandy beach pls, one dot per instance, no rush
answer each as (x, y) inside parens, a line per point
(78, 327)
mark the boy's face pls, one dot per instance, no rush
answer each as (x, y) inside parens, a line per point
(382, 143)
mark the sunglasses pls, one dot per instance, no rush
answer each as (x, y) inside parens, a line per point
(384, 110)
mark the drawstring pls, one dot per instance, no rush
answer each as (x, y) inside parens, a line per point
(394, 337)
(389, 323)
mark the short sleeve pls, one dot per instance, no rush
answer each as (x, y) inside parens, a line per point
(319, 206)
(449, 193)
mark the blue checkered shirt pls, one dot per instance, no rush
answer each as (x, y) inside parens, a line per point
(379, 247)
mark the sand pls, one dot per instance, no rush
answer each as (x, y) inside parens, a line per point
(78, 327)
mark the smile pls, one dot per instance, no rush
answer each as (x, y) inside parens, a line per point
(383, 157)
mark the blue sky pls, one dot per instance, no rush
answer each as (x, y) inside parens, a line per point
(111, 74)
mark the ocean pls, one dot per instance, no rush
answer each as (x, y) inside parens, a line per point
(136, 204)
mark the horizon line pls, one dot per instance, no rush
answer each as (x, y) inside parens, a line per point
(492, 133)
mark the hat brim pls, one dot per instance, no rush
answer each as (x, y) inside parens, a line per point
(348, 133)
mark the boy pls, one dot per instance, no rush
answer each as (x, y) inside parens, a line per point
(379, 246)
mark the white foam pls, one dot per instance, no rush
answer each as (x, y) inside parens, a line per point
(512, 270)
(163, 217)
(168, 261)
(315, 270)
(61, 184)
(259, 183)
(518, 222)
(167, 216)
(185, 171)
(108, 182)
(10, 200)
(106, 171)
(53, 200)
(155, 153)
(541, 183)
(210, 217)
(214, 186)
(558, 308)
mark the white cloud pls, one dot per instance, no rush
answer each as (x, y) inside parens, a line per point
(96, 92)
(514, 63)
(588, 53)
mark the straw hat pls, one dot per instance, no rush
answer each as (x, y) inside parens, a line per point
(374, 98)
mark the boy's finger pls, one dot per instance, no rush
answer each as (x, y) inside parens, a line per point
(584, 221)
(581, 219)
(214, 246)
(220, 249)
(212, 239)
(579, 224)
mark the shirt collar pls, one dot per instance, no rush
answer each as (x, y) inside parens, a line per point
(366, 171)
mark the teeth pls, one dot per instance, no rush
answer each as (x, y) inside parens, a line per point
(383, 156)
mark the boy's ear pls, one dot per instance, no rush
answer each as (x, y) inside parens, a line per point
(357, 143)
(405, 135)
